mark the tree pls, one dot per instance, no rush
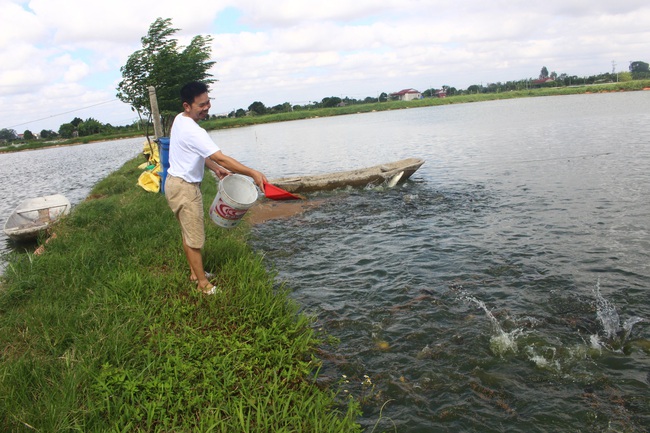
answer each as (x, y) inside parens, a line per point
(66, 130)
(331, 101)
(640, 70)
(624, 76)
(543, 73)
(163, 64)
(450, 91)
(282, 108)
(89, 126)
(47, 133)
(383, 97)
(639, 67)
(8, 134)
(28, 135)
(257, 107)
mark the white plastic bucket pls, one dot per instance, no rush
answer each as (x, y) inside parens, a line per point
(235, 196)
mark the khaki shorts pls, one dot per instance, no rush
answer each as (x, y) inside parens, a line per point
(186, 202)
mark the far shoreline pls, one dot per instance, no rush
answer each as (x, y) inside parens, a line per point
(227, 123)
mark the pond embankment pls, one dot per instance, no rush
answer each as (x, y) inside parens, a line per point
(105, 332)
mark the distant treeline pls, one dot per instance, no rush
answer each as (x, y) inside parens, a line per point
(73, 129)
(637, 71)
(79, 128)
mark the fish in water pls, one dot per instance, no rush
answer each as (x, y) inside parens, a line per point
(393, 181)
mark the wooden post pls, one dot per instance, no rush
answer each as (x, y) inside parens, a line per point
(155, 114)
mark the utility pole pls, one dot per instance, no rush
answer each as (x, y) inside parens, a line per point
(155, 114)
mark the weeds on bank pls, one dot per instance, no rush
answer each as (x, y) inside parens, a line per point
(105, 332)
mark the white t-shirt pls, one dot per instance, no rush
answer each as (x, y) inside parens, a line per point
(189, 145)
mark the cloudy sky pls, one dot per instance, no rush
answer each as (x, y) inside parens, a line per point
(61, 59)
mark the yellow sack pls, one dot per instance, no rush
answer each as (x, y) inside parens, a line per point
(150, 151)
(150, 181)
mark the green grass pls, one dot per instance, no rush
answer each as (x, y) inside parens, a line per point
(105, 333)
(38, 144)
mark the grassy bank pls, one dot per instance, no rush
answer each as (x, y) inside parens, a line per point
(39, 144)
(105, 333)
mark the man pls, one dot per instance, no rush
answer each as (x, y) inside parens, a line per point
(190, 150)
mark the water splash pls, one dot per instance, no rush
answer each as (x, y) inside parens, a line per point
(501, 341)
(614, 333)
(628, 324)
(607, 314)
(595, 343)
(544, 357)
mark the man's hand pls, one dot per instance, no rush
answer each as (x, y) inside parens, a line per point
(216, 168)
(259, 179)
(220, 171)
(230, 163)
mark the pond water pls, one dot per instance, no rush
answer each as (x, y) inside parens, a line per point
(68, 170)
(504, 287)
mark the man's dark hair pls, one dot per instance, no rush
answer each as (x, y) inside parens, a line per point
(192, 90)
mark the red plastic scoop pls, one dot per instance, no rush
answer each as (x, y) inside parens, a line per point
(275, 193)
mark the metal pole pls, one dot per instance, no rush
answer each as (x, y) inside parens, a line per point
(155, 114)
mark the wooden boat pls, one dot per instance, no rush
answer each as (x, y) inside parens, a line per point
(34, 215)
(390, 174)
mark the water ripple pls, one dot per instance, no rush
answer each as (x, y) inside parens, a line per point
(467, 294)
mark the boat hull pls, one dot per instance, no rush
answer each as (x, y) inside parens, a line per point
(397, 171)
(33, 216)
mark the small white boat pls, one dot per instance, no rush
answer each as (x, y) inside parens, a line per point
(34, 215)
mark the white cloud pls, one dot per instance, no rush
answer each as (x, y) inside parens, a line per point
(76, 72)
(58, 54)
(18, 25)
(288, 12)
